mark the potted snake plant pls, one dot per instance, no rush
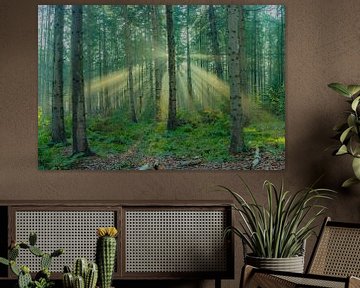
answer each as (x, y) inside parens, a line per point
(348, 132)
(274, 234)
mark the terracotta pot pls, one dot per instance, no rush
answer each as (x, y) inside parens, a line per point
(291, 264)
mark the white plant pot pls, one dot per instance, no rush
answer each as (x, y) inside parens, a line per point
(291, 264)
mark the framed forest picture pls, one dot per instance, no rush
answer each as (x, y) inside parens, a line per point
(161, 87)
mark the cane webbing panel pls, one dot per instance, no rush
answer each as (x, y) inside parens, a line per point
(313, 282)
(175, 241)
(338, 252)
(74, 231)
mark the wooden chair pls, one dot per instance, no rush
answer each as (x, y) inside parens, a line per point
(335, 262)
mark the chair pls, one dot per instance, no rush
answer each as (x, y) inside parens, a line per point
(335, 262)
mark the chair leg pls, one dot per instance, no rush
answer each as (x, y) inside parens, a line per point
(251, 279)
(217, 283)
(246, 274)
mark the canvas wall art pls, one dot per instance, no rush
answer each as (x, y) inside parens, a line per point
(161, 87)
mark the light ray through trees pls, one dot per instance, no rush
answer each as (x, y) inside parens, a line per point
(126, 75)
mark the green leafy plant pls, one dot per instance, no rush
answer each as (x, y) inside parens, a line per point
(279, 229)
(42, 278)
(349, 131)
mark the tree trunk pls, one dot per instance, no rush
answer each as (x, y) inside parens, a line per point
(129, 60)
(57, 123)
(188, 60)
(215, 42)
(171, 123)
(80, 143)
(236, 139)
(157, 68)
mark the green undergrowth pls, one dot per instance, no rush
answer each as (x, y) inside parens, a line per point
(204, 135)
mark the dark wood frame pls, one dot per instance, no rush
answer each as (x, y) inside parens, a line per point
(119, 208)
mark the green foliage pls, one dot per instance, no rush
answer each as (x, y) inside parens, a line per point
(43, 283)
(279, 229)
(349, 131)
(274, 97)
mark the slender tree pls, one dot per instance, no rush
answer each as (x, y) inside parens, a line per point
(80, 143)
(129, 61)
(215, 42)
(57, 109)
(236, 138)
(188, 59)
(171, 123)
(157, 60)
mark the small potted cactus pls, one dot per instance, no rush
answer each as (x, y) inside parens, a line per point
(42, 278)
(85, 275)
(106, 254)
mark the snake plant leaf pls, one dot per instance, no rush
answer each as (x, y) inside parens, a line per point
(356, 167)
(342, 150)
(340, 88)
(345, 134)
(355, 103)
(349, 182)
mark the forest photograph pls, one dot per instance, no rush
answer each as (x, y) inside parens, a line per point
(161, 87)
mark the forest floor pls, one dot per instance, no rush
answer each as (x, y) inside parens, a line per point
(200, 142)
(242, 161)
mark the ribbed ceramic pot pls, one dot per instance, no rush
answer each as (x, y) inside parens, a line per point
(291, 264)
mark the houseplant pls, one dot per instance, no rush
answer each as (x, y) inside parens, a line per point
(275, 234)
(42, 278)
(84, 274)
(348, 132)
(106, 254)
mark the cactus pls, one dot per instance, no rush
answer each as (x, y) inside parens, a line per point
(105, 254)
(45, 261)
(23, 273)
(13, 253)
(80, 267)
(79, 282)
(91, 276)
(32, 238)
(68, 280)
(14, 268)
(24, 279)
(36, 251)
(87, 272)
